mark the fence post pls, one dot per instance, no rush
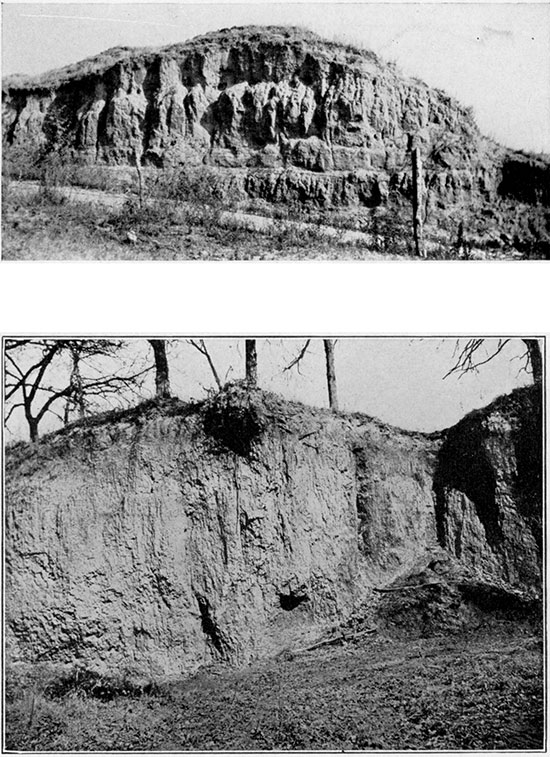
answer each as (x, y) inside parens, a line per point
(418, 194)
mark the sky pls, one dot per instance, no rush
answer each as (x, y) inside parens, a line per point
(398, 380)
(494, 57)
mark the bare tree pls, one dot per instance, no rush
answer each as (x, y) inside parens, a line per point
(331, 374)
(162, 380)
(27, 382)
(251, 363)
(38, 380)
(201, 347)
(471, 357)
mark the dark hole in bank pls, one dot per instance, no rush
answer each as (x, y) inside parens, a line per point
(291, 601)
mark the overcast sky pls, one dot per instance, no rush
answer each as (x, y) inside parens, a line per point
(398, 380)
(494, 57)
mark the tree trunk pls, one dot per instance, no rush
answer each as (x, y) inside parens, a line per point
(162, 381)
(251, 362)
(76, 395)
(331, 374)
(418, 193)
(33, 428)
(535, 358)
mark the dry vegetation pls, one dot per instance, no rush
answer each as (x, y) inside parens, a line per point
(472, 691)
(185, 220)
(46, 226)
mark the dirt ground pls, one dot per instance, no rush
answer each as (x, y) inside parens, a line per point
(473, 691)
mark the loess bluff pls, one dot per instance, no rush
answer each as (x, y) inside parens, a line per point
(282, 115)
(154, 540)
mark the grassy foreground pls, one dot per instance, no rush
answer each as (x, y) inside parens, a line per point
(54, 208)
(97, 222)
(475, 691)
(46, 225)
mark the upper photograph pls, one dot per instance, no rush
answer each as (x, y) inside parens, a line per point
(276, 131)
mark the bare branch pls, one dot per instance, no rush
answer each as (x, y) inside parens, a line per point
(299, 357)
(46, 406)
(49, 356)
(10, 411)
(40, 394)
(201, 347)
(467, 358)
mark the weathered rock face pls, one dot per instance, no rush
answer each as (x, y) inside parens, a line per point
(152, 542)
(317, 105)
(488, 487)
(298, 118)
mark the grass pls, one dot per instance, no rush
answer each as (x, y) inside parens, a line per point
(475, 691)
(47, 225)
(44, 225)
(92, 212)
(57, 168)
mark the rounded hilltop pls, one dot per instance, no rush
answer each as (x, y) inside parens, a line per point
(252, 31)
(271, 36)
(278, 35)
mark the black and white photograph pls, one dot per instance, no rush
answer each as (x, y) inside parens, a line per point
(274, 543)
(276, 131)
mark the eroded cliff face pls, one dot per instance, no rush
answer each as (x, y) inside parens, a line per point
(152, 542)
(287, 115)
(488, 487)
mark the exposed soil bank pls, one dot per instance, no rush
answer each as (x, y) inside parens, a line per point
(282, 115)
(172, 536)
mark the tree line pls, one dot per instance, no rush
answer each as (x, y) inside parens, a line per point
(47, 376)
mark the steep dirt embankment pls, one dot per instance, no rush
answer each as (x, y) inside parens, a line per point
(293, 116)
(170, 537)
(488, 488)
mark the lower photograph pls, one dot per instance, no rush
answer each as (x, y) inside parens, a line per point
(271, 543)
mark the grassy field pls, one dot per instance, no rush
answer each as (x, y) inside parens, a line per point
(49, 225)
(474, 691)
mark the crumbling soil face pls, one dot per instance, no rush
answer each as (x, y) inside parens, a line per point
(268, 98)
(186, 535)
(429, 604)
(488, 489)
(173, 536)
(283, 116)
(237, 566)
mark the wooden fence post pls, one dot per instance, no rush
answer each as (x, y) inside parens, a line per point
(418, 195)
